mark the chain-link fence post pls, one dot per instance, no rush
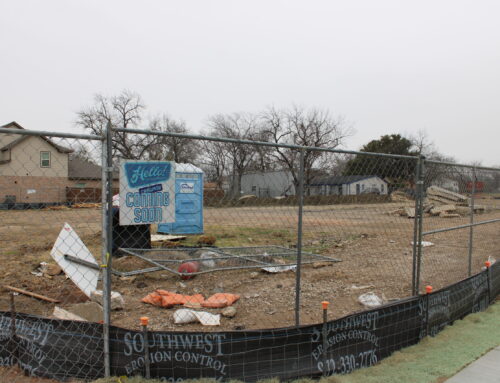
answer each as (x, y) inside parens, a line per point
(300, 195)
(107, 216)
(471, 228)
(415, 232)
(419, 216)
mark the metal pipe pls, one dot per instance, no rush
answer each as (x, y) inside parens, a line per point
(324, 305)
(462, 165)
(299, 239)
(471, 229)
(105, 256)
(13, 338)
(415, 231)
(91, 265)
(12, 314)
(420, 213)
(460, 227)
(147, 362)
(259, 143)
(25, 132)
(163, 267)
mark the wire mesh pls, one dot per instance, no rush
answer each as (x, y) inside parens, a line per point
(50, 204)
(211, 237)
(458, 197)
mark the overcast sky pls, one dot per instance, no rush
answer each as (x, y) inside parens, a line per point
(385, 66)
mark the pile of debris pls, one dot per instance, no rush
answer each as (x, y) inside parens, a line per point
(442, 203)
(447, 204)
(400, 196)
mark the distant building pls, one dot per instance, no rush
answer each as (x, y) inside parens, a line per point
(280, 183)
(33, 169)
(268, 184)
(346, 185)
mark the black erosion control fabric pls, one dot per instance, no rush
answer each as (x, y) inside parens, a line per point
(62, 349)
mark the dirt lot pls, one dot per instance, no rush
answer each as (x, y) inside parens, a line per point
(374, 246)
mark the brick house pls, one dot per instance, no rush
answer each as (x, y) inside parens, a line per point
(34, 169)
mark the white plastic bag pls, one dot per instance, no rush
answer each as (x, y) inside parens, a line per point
(370, 299)
(183, 316)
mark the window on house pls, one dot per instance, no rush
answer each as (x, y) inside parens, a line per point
(254, 188)
(45, 159)
(382, 188)
(362, 186)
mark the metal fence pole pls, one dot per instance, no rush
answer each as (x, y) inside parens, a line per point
(414, 290)
(471, 229)
(420, 212)
(106, 244)
(299, 238)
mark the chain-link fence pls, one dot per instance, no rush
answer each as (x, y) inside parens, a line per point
(200, 234)
(50, 207)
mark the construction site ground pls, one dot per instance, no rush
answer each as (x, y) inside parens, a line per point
(374, 245)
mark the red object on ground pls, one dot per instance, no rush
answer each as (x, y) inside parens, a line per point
(187, 268)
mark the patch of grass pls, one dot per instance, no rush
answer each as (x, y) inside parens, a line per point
(430, 361)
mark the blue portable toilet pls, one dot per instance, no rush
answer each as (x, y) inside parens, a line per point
(188, 202)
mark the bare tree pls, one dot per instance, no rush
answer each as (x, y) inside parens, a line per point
(125, 111)
(181, 150)
(214, 161)
(298, 126)
(435, 174)
(239, 156)
(84, 152)
(122, 111)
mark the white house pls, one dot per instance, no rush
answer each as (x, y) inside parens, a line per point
(280, 183)
(346, 185)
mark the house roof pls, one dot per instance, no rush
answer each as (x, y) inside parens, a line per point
(81, 169)
(13, 124)
(337, 180)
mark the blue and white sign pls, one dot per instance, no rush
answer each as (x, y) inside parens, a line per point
(147, 192)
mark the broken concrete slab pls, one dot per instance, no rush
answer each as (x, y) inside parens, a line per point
(90, 311)
(444, 193)
(463, 210)
(443, 209)
(166, 237)
(117, 301)
(449, 215)
(410, 212)
(60, 313)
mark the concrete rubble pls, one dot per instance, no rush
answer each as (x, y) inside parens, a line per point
(60, 313)
(117, 301)
(90, 311)
(439, 203)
